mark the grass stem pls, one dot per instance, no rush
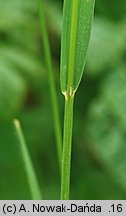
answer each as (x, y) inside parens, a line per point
(67, 144)
(52, 86)
(32, 180)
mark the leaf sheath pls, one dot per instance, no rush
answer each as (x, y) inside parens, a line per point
(67, 143)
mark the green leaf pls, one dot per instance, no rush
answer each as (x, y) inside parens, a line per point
(77, 20)
(51, 80)
(31, 175)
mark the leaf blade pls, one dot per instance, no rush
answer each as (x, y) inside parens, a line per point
(31, 175)
(77, 21)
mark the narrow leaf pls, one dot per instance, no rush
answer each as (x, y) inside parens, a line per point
(51, 80)
(33, 183)
(77, 21)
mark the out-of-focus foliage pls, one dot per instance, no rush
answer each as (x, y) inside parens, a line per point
(98, 161)
(110, 37)
(19, 54)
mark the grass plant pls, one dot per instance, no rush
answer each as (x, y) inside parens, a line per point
(77, 21)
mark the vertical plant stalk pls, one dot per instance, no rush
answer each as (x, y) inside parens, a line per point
(77, 21)
(69, 102)
(67, 143)
(52, 86)
(32, 180)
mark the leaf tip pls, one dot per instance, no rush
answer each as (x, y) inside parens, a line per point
(16, 123)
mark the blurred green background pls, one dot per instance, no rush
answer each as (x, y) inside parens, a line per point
(99, 141)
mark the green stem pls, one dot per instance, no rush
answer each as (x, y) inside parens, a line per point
(67, 143)
(52, 86)
(32, 180)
